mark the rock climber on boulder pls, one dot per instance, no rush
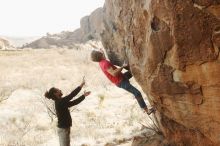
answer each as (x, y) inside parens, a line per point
(115, 75)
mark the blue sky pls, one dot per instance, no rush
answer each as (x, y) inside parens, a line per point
(37, 17)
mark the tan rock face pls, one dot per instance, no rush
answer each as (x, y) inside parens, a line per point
(172, 47)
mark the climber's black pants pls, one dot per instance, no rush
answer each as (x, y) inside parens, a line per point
(125, 84)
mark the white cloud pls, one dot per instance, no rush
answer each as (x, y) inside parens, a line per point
(36, 17)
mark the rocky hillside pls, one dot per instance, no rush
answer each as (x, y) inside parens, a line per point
(90, 28)
(172, 47)
(4, 44)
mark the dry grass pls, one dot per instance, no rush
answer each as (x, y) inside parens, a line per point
(25, 75)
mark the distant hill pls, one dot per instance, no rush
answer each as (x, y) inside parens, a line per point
(90, 28)
(19, 41)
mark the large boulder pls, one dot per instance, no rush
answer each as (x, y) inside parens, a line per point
(172, 47)
(91, 26)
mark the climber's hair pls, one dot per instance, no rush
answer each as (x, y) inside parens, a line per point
(50, 94)
(96, 56)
